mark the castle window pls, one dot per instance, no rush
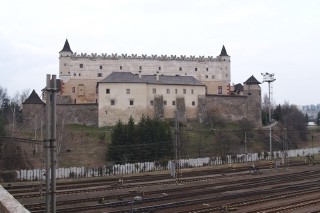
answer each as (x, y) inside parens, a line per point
(100, 67)
(128, 91)
(131, 102)
(207, 69)
(73, 89)
(191, 91)
(68, 72)
(159, 68)
(79, 74)
(226, 75)
(168, 91)
(65, 64)
(154, 90)
(107, 91)
(112, 102)
(219, 90)
(176, 91)
(193, 103)
(213, 77)
(151, 103)
(74, 74)
(140, 67)
(173, 103)
(164, 102)
(99, 74)
(195, 69)
(180, 68)
(184, 91)
(120, 67)
(207, 76)
(81, 65)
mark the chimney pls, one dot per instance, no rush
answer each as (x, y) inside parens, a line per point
(140, 74)
(157, 75)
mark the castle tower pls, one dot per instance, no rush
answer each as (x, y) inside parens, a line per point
(33, 110)
(225, 73)
(252, 90)
(64, 61)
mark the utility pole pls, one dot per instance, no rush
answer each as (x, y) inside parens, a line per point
(47, 141)
(53, 143)
(50, 143)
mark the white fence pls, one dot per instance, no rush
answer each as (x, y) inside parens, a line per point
(80, 172)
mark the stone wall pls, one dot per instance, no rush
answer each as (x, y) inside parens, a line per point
(85, 114)
(231, 108)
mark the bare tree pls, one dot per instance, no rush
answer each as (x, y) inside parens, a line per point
(215, 118)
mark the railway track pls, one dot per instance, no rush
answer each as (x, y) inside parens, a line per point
(172, 195)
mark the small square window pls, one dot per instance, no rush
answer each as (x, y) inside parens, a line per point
(131, 102)
(151, 103)
(173, 103)
(207, 69)
(74, 74)
(100, 67)
(195, 69)
(164, 102)
(128, 91)
(180, 68)
(99, 74)
(120, 67)
(168, 91)
(226, 75)
(159, 68)
(68, 72)
(191, 91)
(140, 67)
(193, 103)
(81, 65)
(184, 91)
(79, 74)
(154, 90)
(213, 77)
(107, 91)
(207, 76)
(113, 102)
(65, 64)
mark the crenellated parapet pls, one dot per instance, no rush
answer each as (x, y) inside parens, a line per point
(116, 56)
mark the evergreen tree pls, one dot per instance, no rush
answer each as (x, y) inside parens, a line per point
(118, 144)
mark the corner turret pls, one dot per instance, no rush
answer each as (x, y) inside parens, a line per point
(64, 62)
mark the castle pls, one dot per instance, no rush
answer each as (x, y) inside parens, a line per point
(119, 86)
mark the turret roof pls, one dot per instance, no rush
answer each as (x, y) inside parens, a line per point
(33, 99)
(252, 80)
(223, 52)
(66, 47)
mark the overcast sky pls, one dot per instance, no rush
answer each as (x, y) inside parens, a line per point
(275, 36)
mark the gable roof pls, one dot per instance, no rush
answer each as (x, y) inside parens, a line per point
(128, 77)
(66, 47)
(238, 87)
(33, 99)
(223, 52)
(252, 80)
